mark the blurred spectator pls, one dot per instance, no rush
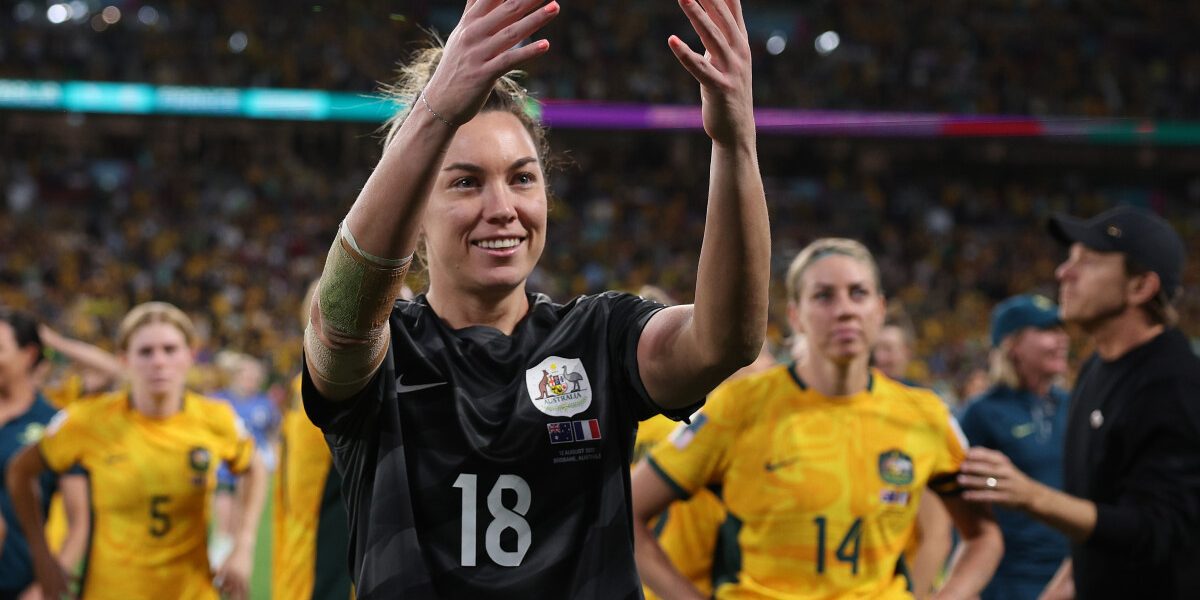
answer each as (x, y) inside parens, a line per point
(229, 220)
(1133, 59)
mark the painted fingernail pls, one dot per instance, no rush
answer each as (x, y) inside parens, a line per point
(551, 8)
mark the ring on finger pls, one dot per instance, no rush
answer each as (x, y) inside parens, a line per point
(991, 482)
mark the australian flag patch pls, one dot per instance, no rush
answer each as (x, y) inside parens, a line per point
(561, 433)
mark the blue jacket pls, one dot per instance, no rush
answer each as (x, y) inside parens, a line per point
(1029, 430)
(16, 566)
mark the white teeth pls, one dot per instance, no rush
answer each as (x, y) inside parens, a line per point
(498, 244)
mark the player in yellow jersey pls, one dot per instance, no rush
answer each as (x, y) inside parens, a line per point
(311, 535)
(310, 530)
(822, 465)
(932, 540)
(687, 529)
(151, 454)
(92, 371)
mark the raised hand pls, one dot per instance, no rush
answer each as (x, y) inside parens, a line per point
(483, 47)
(726, 87)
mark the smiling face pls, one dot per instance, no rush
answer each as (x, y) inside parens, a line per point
(1040, 353)
(838, 308)
(485, 223)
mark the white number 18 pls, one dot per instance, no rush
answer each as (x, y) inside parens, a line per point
(502, 518)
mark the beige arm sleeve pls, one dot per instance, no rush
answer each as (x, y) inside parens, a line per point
(347, 335)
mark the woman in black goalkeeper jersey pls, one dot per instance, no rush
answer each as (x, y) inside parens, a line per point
(484, 432)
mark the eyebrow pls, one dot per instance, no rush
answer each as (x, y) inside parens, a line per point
(852, 284)
(474, 168)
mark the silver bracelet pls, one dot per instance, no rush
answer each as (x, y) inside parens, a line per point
(434, 112)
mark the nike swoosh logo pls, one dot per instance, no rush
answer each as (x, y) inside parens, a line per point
(1021, 431)
(405, 389)
(775, 466)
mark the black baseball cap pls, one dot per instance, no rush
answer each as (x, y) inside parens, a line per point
(1145, 238)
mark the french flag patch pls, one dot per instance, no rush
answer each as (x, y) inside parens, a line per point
(587, 430)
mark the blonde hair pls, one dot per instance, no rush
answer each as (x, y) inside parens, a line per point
(506, 96)
(826, 247)
(1001, 368)
(154, 312)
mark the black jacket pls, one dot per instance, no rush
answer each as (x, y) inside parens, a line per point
(1133, 448)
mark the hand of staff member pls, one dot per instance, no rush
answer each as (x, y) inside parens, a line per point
(989, 476)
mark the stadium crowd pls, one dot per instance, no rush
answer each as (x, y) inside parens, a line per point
(1001, 56)
(234, 228)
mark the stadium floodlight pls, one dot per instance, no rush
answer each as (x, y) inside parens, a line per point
(238, 42)
(827, 42)
(79, 11)
(58, 13)
(148, 15)
(776, 43)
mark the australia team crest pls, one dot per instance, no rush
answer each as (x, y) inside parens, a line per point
(896, 467)
(559, 386)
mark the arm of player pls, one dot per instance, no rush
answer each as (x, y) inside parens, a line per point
(22, 482)
(74, 490)
(233, 578)
(1062, 586)
(1012, 488)
(935, 545)
(347, 336)
(980, 553)
(82, 353)
(685, 351)
(651, 496)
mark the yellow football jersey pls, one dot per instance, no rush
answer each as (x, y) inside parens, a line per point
(821, 492)
(650, 432)
(310, 533)
(687, 530)
(150, 481)
(69, 392)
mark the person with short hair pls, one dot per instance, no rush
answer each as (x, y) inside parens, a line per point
(1130, 502)
(932, 538)
(483, 432)
(24, 415)
(245, 376)
(1024, 415)
(151, 453)
(893, 351)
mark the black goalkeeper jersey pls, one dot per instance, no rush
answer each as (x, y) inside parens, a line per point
(481, 465)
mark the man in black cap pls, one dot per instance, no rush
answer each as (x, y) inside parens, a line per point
(1131, 499)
